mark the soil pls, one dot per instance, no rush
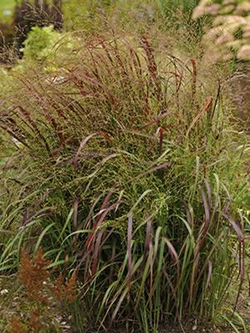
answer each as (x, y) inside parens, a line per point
(187, 328)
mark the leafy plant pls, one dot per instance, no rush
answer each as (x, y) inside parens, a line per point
(40, 43)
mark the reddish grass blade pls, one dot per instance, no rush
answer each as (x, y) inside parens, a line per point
(155, 121)
(178, 76)
(34, 126)
(83, 143)
(158, 167)
(97, 250)
(236, 226)
(56, 108)
(92, 236)
(174, 256)
(30, 216)
(136, 62)
(150, 57)
(200, 241)
(12, 133)
(209, 275)
(47, 112)
(207, 209)
(209, 193)
(205, 109)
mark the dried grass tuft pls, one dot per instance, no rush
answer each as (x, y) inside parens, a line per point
(33, 273)
(16, 326)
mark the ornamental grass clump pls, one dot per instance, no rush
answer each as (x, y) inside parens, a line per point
(130, 172)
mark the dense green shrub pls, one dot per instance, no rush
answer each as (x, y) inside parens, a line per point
(126, 166)
(40, 43)
(47, 49)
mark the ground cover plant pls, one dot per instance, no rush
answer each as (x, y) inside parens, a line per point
(125, 165)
